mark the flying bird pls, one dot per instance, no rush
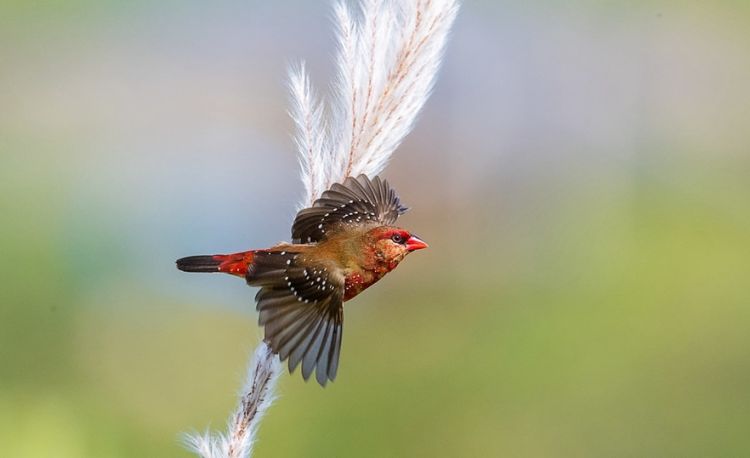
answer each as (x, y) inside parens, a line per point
(342, 244)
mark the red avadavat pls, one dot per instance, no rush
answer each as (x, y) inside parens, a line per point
(341, 245)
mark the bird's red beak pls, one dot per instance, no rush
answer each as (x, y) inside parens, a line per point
(414, 243)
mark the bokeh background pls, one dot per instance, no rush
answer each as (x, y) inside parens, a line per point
(582, 173)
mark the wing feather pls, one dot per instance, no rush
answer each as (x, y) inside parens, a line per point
(356, 201)
(300, 308)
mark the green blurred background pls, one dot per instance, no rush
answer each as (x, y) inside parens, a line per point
(582, 174)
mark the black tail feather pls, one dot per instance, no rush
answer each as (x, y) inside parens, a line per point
(198, 264)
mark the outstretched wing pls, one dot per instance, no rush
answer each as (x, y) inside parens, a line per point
(301, 310)
(355, 201)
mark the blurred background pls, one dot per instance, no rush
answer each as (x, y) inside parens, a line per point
(582, 174)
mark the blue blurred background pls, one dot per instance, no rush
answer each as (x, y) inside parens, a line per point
(581, 173)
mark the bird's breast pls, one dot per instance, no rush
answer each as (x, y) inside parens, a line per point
(357, 282)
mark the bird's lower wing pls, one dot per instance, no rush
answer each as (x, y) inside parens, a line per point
(301, 310)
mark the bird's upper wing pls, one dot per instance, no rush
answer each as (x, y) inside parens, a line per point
(355, 201)
(300, 305)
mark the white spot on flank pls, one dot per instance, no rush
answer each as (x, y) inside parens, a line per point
(320, 226)
(288, 261)
(283, 253)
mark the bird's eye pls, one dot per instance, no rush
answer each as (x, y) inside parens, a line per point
(397, 238)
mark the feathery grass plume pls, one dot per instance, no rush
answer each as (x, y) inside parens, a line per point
(307, 113)
(257, 396)
(388, 56)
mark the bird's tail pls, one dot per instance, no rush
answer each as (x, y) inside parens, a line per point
(199, 264)
(235, 264)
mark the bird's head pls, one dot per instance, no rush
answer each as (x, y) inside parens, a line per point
(391, 244)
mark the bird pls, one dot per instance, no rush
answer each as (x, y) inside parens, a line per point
(342, 244)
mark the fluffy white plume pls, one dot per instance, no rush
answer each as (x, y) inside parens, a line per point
(389, 54)
(307, 113)
(257, 396)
